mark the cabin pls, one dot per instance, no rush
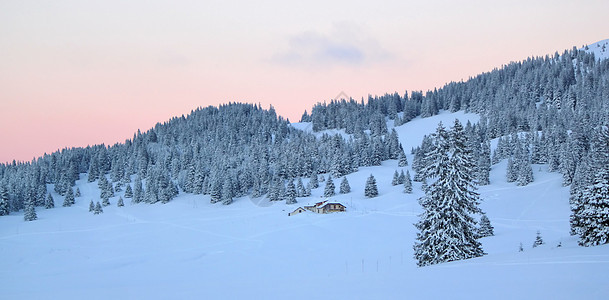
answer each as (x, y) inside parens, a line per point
(326, 207)
(297, 211)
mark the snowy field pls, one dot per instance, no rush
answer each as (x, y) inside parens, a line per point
(252, 249)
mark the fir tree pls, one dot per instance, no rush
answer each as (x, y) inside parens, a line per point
(345, 188)
(4, 207)
(138, 191)
(538, 240)
(120, 202)
(447, 230)
(29, 211)
(105, 201)
(290, 194)
(485, 229)
(370, 189)
(314, 182)
(227, 191)
(91, 206)
(98, 209)
(407, 183)
(77, 193)
(402, 161)
(128, 191)
(50, 202)
(402, 177)
(396, 178)
(329, 190)
(300, 189)
(511, 171)
(69, 199)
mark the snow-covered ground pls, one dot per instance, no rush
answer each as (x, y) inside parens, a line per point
(252, 249)
(600, 49)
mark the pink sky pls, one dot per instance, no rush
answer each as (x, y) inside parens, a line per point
(74, 73)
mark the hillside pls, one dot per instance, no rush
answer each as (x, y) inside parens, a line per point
(599, 49)
(252, 249)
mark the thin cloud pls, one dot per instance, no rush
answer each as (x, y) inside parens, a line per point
(345, 45)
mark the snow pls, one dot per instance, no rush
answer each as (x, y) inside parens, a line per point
(600, 49)
(189, 248)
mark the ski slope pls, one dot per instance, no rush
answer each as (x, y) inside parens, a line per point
(252, 249)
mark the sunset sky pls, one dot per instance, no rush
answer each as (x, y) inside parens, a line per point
(74, 73)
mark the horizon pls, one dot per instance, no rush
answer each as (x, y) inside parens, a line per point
(78, 74)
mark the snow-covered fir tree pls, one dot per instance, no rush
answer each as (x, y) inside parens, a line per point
(120, 202)
(91, 206)
(538, 240)
(485, 229)
(50, 202)
(4, 205)
(291, 193)
(402, 177)
(396, 178)
(29, 212)
(77, 193)
(98, 209)
(345, 188)
(128, 191)
(402, 160)
(300, 188)
(407, 183)
(314, 182)
(330, 189)
(447, 230)
(370, 190)
(69, 198)
(138, 191)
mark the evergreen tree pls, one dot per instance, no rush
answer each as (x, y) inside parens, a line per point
(314, 182)
(91, 206)
(50, 202)
(120, 202)
(407, 183)
(345, 188)
(329, 190)
(593, 217)
(447, 230)
(227, 191)
(300, 189)
(290, 194)
(511, 171)
(485, 229)
(138, 191)
(402, 177)
(371, 190)
(538, 240)
(98, 209)
(128, 191)
(69, 199)
(216, 191)
(77, 193)
(402, 160)
(396, 178)
(29, 211)
(105, 201)
(4, 204)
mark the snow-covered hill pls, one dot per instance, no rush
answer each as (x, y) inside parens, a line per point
(190, 249)
(600, 49)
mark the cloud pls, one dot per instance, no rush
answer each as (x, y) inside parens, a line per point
(345, 44)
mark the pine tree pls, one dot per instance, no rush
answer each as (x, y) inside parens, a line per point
(69, 199)
(290, 194)
(511, 171)
(120, 202)
(593, 217)
(370, 189)
(77, 193)
(345, 188)
(329, 190)
(98, 209)
(300, 189)
(396, 178)
(407, 183)
(402, 160)
(128, 191)
(447, 230)
(105, 201)
(402, 177)
(4, 207)
(29, 211)
(314, 182)
(91, 206)
(227, 191)
(50, 202)
(538, 240)
(138, 191)
(485, 229)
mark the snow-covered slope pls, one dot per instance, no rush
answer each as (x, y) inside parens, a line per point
(191, 249)
(600, 49)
